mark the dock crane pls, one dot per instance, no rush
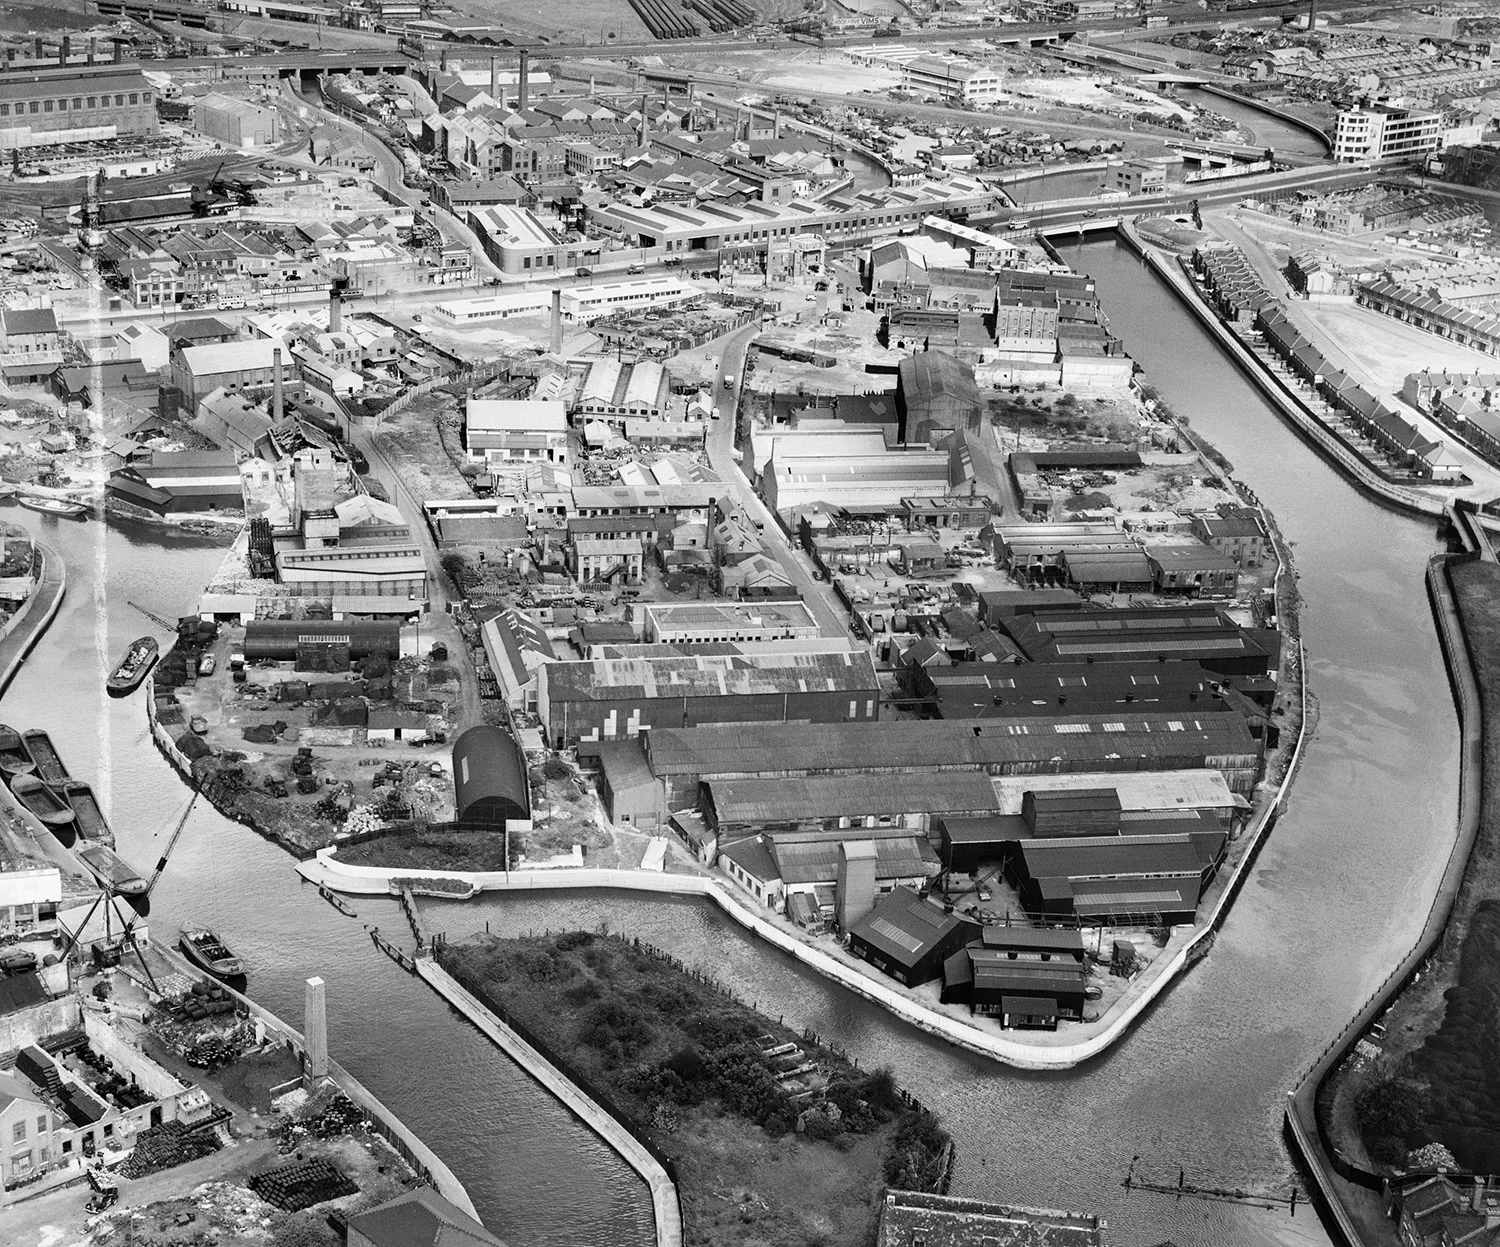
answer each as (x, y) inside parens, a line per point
(108, 894)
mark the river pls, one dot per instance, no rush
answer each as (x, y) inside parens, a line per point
(1335, 898)
(1280, 136)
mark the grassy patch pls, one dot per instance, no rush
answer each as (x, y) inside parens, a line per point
(1449, 1088)
(775, 1139)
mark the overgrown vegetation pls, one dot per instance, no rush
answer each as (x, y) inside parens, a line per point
(775, 1138)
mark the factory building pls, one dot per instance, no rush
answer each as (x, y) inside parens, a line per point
(1217, 740)
(1197, 633)
(74, 104)
(1025, 977)
(739, 807)
(489, 779)
(610, 699)
(909, 938)
(285, 640)
(935, 390)
(237, 122)
(171, 482)
(992, 690)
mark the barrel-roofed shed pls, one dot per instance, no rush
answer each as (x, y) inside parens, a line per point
(489, 777)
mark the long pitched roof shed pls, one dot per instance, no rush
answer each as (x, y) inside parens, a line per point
(853, 796)
(817, 861)
(710, 676)
(421, 1218)
(905, 927)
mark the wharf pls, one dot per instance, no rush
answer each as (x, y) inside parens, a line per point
(26, 626)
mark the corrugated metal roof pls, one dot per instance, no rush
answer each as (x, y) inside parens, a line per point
(851, 796)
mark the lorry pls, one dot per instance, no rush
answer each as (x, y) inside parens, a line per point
(729, 380)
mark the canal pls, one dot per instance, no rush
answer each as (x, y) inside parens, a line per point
(1282, 137)
(1335, 898)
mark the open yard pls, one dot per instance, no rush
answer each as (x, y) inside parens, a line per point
(423, 443)
(775, 1139)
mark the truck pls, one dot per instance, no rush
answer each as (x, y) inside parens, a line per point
(729, 380)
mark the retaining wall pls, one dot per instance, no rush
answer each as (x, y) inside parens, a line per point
(34, 614)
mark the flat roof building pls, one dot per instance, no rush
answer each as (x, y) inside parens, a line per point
(688, 623)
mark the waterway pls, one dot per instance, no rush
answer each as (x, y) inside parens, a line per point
(1335, 898)
(1280, 136)
(1064, 184)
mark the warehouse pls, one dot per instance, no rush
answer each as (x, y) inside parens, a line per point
(1095, 570)
(74, 104)
(630, 794)
(909, 938)
(738, 807)
(609, 699)
(701, 623)
(1192, 569)
(836, 877)
(489, 779)
(282, 640)
(882, 480)
(935, 390)
(1055, 745)
(1121, 880)
(987, 690)
(237, 122)
(174, 482)
(1196, 633)
(1027, 977)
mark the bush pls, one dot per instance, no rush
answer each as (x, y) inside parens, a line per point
(1390, 1109)
(616, 1029)
(557, 769)
(913, 1155)
(569, 940)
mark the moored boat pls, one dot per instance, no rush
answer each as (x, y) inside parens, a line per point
(208, 952)
(60, 507)
(137, 661)
(49, 766)
(92, 825)
(41, 799)
(13, 758)
(111, 871)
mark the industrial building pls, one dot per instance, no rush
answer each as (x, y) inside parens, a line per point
(174, 482)
(703, 623)
(1196, 633)
(197, 371)
(1026, 977)
(1114, 741)
(237, 122)
(74, 104)
(499, 430)
(909, 937)
(490, 780)
(822, 877)
(285, 640)
(610, 699)
(935, 390)
(739, 807)
(981, 690)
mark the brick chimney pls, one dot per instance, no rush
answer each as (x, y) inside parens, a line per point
(278, 408)
(65, 50)
(93, 50)
(523, 83)
(335, 311)
(495, 80)
(557, 336)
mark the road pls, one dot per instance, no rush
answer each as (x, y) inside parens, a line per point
(833, 620)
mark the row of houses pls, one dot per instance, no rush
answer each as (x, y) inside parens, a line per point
(1396, 436)
(1231, 283)
(1429, 311)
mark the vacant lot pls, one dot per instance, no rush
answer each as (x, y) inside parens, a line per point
(792, 1148)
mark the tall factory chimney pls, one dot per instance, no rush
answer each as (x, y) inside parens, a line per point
(38, 52)
(278, 409)
(645, 121)
(556, 343)
(495, 80)
(335, 311)
(93, 50)
(777, 130)
(315, 1032)
(523, 83)
(119, 52)
(65, 51)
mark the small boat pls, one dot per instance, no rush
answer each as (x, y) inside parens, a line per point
(111, 871)
(13, 757)
(208, 952)
(138, 660)
(54, 506)
(42, 800)
(92, 825)
(49, 767)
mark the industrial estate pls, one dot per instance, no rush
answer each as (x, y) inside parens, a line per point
(684, 451)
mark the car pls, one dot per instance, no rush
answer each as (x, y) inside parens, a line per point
(985, 894)
(583, 272)
(206, 664)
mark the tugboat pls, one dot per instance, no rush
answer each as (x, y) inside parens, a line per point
(13, 757)
(42, 800)
(92, 825)
(138, 660)
(59, 507)
(208, 952)
(49, 766)
(111, 871)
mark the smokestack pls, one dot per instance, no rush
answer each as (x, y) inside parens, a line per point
(38, 51)
(443, 61)
(523, 82)
(645, 121)
(335, 312)
(557, 322)
(777, 130)
(495, 79)
(93, 50)
(65, 51)
(277, 407)
(119, 54)
(1312, 18)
